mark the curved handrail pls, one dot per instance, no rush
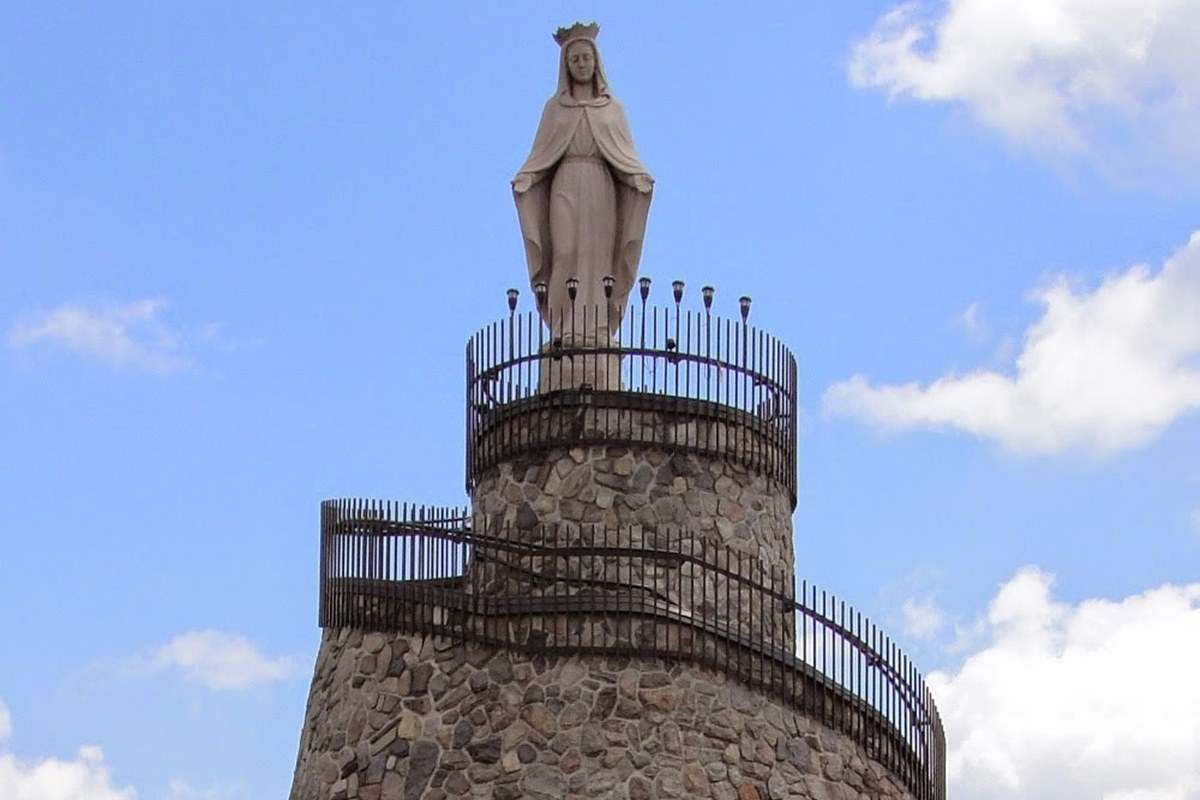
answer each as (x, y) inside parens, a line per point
(674, 358)
(375, 527)
(438, 559)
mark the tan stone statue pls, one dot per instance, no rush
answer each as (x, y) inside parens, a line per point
(583, 194)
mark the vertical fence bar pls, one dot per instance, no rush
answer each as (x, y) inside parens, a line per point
(336, 568)
(804, 639)
(322, 587)
(351, 562)
(335, 563)
(842, 646)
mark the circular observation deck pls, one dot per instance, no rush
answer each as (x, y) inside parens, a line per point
(676, 380)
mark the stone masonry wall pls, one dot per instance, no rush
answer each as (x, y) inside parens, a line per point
(613, 486)
(761, 441)
(392, 717)
(639, 493)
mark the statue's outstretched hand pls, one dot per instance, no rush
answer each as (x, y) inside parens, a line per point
(522, 183)
(643, 183)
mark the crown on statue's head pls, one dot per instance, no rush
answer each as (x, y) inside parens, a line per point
(576, 31)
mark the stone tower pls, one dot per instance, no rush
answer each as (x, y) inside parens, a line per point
(616, 616)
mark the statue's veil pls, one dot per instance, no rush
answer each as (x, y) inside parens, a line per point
(599, 81)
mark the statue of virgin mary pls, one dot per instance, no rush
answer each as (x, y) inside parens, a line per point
(583, 194)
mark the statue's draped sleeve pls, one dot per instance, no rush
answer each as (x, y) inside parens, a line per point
(533, 206)
(611, 131)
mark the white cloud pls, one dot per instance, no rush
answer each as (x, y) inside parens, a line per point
(181, 790)
(923, 619)
(1101, 371)
(1094, 700)
(130, 335)
(215, 336)
(1057, 75)
(85, 777)
(971, 321)
(217, 660)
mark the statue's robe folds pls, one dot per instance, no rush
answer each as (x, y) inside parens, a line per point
(558, 128)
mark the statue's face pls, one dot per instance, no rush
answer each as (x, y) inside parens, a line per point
(581, 62)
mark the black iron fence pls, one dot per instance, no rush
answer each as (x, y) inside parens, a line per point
(653, 593)
(683, 380)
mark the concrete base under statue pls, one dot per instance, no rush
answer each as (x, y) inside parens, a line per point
(574, 361)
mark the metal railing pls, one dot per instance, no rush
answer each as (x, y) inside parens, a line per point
(664, 593)
(682, 380)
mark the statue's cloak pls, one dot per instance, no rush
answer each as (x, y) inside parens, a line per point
(560, 117)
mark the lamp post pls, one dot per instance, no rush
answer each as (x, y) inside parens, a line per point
(673, 344)
(707, 292)
(608, 281)
(512, 294)
(540, 292)
(572, 292)
(644, 289)
(744, 303)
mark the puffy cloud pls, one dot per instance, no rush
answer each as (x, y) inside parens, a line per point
(1092, 700)
(923, 619)
(1101, 371)
(85, 777)
(217, 660)
(1054, 74)
(131, 335)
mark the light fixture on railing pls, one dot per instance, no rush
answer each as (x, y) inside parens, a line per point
(572, 287)
(540, 290)
(744, 302)
(513, 294)
(609, 281)
(707, 293)
(644, 288)
(677, 290)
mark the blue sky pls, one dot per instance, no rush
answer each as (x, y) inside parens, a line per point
(244, 245)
